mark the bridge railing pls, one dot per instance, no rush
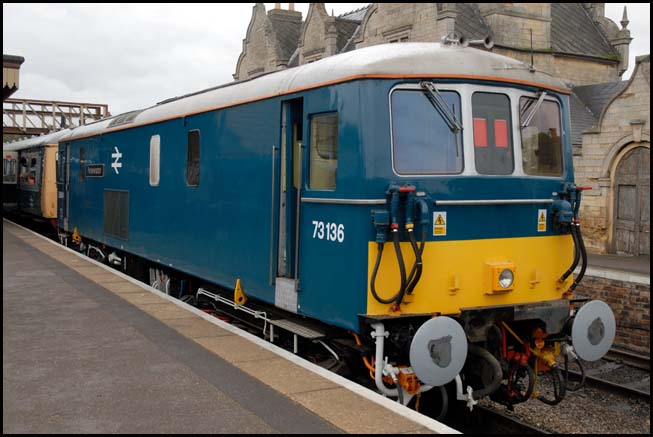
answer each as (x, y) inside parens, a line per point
(36, 117)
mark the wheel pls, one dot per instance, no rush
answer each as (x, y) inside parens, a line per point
(433, 403)
(189, 299)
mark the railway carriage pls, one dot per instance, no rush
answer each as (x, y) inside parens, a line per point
(418, 196)
(30, 167)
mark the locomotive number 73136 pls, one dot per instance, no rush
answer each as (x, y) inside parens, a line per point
(329, 231)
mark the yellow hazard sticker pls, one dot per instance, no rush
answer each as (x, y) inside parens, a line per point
(439, 223)
(541, 220)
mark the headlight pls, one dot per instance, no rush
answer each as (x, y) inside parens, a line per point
(501, 277)
(505, 278)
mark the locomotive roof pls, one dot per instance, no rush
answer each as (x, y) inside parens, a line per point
(406, 60)
(51, 138)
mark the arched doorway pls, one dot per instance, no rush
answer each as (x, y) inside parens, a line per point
(632, 187)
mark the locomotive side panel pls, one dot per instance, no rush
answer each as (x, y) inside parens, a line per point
(214, 229)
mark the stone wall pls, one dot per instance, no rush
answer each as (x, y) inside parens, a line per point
(318, 39)
(387, 21)
(624, 125)
(575, 71)
(631, 304)
(254, 58)
(512, 23)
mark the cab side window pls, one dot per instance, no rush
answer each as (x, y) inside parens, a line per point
(324, 152)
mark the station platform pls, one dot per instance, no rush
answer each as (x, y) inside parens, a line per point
(89, 350)
(634, 264)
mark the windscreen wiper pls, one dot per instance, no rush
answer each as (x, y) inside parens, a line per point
(534, 108)
(438, 102)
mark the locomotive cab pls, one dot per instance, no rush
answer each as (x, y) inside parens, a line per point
(481, 234)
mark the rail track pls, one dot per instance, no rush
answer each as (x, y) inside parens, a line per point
(629, 358)
(635, 369)
(483, 420)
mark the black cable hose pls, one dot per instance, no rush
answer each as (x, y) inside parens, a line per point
(575, 385)
(402, 270)
(583, 254)
(416, 272)
(576, 254)
(558, 386)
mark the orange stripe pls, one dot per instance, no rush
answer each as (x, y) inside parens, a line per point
(336, 81)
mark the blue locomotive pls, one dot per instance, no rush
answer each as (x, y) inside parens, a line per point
(417, 199)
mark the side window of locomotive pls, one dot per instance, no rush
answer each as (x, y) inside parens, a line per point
(541, 140)
(492, 134)
(82, 158)
(422, 142)
(193, 159)
(324, 152)
(155, 156)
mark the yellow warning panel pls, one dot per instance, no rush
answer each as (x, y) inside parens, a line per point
(439, 223)
(541, 220)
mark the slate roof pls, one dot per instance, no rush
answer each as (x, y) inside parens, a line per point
(355, 15)
(346, 29)
(287, 32)
(587, 104)
(582, 119)
(573, 31)
(597, 96)
(470, 22)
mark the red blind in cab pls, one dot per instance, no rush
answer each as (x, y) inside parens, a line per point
(501, 133)
(480, 132)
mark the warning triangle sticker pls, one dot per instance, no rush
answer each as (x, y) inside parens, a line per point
(542, 218)
(439, 220)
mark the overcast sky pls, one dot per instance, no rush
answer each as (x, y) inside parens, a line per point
(131, 56)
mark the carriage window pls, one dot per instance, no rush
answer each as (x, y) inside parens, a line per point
(422, 141)
(33, 176)
(492, 134)
(155, 151)
(9, 170)
(22, 175)
(541, 140)
(29, 170)
(324, 152)
(193, 159)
